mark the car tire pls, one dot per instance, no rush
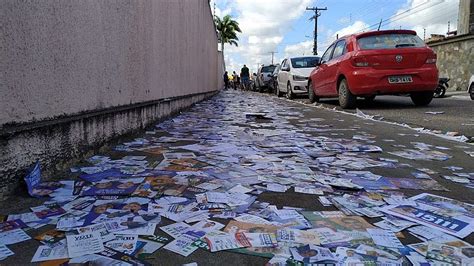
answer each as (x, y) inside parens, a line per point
(289, 92)
(422, 98)
(278, 92)
(369, 99)
(347, 100)
(471, 91)
(311, 95)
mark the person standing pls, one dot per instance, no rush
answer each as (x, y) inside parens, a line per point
(235, 79)
(226, 80)
(245, 76)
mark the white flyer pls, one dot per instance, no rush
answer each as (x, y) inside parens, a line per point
(146, 230)
(276, 187)
(84, 244)
(253, 219)
(176, 229)
(182, 245)
(258, 240)
(123, 243)
(101, 228)
(5, 252)
(13, 236)
(384, 238)
(44, 253)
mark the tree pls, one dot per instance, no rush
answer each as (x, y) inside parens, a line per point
(227, 28)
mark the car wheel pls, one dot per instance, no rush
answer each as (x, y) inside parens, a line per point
(289, 93)
(422, 98)
(278, 93)
(311, 95)
(471, 91)
(369, 99)
(347, 100)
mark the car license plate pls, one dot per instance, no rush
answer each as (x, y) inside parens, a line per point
(400, 79)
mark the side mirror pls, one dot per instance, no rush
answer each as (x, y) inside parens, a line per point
(319, 62)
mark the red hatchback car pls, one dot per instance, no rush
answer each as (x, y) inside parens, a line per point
(375, 63)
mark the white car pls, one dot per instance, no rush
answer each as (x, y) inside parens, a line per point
(470, 87)
(293, 76)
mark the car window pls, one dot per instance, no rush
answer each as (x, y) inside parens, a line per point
(268, 69)
(304, 62)
(340, 49)
(390, 41)
(327, 55)
(277, 69)
(284, 64)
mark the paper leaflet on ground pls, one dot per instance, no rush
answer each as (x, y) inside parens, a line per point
(84, 244)
(437, 212)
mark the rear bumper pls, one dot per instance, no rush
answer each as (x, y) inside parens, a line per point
(368, 81)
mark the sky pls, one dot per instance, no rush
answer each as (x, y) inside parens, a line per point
(284, 26)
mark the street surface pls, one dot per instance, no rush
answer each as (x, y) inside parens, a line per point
(262, 141)
(457, 116)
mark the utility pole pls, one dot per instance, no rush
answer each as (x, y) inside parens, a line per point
(317, 13)
(273, 53)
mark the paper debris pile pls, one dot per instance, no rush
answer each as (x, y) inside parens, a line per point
(194, 183)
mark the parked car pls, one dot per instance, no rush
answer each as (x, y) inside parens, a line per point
(470, 87)
(263, 77)
(293, 75)
(272, 84)
(389, 62)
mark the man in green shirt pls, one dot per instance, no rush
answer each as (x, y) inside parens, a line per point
(245, 76)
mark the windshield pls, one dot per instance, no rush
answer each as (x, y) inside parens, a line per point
(268, 69)
(390, 41)
(304, 62)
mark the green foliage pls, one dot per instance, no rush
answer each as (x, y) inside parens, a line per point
(227, 28)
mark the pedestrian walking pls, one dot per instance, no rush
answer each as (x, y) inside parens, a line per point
(235, 80)
(226, 80)
(245, 76)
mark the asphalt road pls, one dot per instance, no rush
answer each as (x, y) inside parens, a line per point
(385, 136)
(457, 116)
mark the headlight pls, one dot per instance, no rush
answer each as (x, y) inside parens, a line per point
(299, 78)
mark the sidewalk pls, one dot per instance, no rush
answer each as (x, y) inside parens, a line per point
(257, 177)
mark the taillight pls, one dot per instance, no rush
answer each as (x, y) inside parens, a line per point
(360, 62)
(431, 59)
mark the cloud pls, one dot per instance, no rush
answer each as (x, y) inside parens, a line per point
(218, 11)
(430, 15)
(264, 23)
(302, 48)
(357, 26)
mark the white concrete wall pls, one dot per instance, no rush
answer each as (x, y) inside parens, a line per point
(64, 57)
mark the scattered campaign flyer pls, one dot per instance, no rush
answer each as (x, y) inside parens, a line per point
(101, 228)
(151, 244)
(260, 240)
(5, 252)
(298, 236)
(45, 253)
(123, 243)
(312, 254)
(13, 236)
(84, 244)
(384, 238)
(226, 241)
(10, 225)
(33, 179)
(459, 226)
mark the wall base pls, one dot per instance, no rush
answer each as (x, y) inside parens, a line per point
(59, 141)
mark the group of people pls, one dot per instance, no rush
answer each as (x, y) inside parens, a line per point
(241, 81)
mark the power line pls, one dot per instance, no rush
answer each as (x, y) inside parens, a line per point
(273, 53)
(317, 13)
